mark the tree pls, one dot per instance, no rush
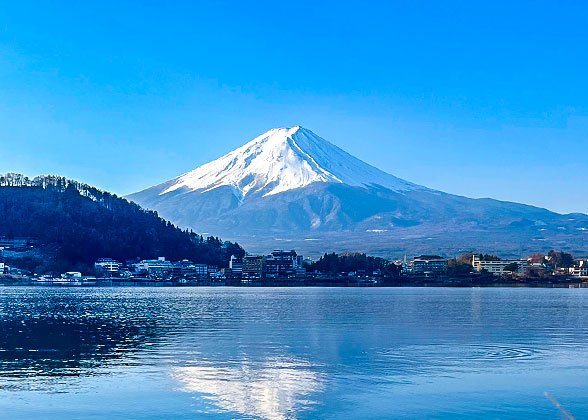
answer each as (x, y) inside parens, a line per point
(457, 266)
(512, 267)
(560, 259)
(466, 258)
(353, 262)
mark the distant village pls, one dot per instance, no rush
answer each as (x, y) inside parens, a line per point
(288, 268)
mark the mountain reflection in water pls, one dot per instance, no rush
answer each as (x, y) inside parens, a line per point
(272, 390)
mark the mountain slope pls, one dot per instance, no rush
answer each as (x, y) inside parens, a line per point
(291, 188)
(75, 224)
(280, 160)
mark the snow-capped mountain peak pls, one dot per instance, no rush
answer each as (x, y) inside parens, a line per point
(283, 159)
(289, 187)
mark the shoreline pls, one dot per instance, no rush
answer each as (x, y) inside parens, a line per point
(415, 282)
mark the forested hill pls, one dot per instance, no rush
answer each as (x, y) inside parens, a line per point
(75, 223)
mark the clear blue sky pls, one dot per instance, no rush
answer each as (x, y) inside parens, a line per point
(479, 99)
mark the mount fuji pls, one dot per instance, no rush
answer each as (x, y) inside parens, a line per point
(290, 188)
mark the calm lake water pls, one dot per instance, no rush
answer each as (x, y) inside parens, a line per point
(186, 353)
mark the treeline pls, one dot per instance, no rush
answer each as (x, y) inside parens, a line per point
(75, 224)
(353, 262)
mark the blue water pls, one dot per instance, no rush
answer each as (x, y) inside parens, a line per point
(186, 353)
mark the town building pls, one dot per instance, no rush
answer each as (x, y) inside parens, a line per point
(212, 271)
(200, 270)
(2, 268)
(284, 264)
(498, 266)
(16, 243)
(184, 268)
(252, 268)
(580, 269)
(188, 269)
(107, 266)
(158, 267)
(428, 265)
(536, 267)
(236, 265)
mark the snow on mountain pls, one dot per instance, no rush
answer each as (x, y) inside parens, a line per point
(283, 159)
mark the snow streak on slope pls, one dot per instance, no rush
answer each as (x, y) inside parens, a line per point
(284, 159)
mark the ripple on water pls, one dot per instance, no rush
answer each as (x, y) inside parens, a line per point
(489, 352)
(425, 357)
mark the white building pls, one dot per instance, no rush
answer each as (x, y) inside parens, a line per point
(200, 270)
(236, 264)
(428, 265)
(2, 268)
(580, 269)
(154, 266)
(497, 267)
(107, 265)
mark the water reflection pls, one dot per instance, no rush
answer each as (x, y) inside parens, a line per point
(273, 390)
(291, 353)
(49, 338)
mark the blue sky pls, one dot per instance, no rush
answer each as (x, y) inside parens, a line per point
(484, 99)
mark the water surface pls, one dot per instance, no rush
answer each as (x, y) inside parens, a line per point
(292, 353)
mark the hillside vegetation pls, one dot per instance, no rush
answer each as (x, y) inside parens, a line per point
(75, 224)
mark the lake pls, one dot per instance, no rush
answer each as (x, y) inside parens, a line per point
(292, 353)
